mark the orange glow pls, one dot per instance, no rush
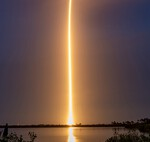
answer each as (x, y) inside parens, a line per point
(71, 137)
(70, 117)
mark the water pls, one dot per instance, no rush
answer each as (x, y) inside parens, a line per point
(67, 134)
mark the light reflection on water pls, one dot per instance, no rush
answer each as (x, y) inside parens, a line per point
(78, 134)
(71, 137)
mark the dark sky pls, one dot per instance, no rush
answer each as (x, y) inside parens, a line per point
(111, 60)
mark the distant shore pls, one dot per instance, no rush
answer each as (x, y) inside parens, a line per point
(61, 125)
(142, 125)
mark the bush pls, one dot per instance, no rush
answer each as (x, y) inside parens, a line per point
(13, 137)
(129, 137)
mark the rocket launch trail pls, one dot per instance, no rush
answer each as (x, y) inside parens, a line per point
(70, 116)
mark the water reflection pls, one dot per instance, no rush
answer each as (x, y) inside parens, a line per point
(71, 137)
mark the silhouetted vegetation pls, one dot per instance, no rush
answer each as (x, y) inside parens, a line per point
(62, 125)
(139, 131)
(143, 125)
(5, 133)
(13, 137)
(129, 137)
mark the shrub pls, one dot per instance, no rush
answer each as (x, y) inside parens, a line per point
(13, 137)
(129, 137)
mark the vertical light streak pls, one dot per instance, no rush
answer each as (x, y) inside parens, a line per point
(71, 137)
(70, 117)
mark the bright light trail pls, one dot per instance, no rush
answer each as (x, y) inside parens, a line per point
(70, 116)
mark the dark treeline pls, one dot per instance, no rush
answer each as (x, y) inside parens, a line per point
(61, 125)
(141, 124)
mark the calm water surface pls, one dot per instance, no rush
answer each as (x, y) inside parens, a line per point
(68, 134)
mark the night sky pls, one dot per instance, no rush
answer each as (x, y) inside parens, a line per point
(110, 59)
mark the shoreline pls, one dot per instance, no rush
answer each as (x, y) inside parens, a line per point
(61, 126)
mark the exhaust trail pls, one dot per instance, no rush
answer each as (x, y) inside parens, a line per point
(70, 116)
